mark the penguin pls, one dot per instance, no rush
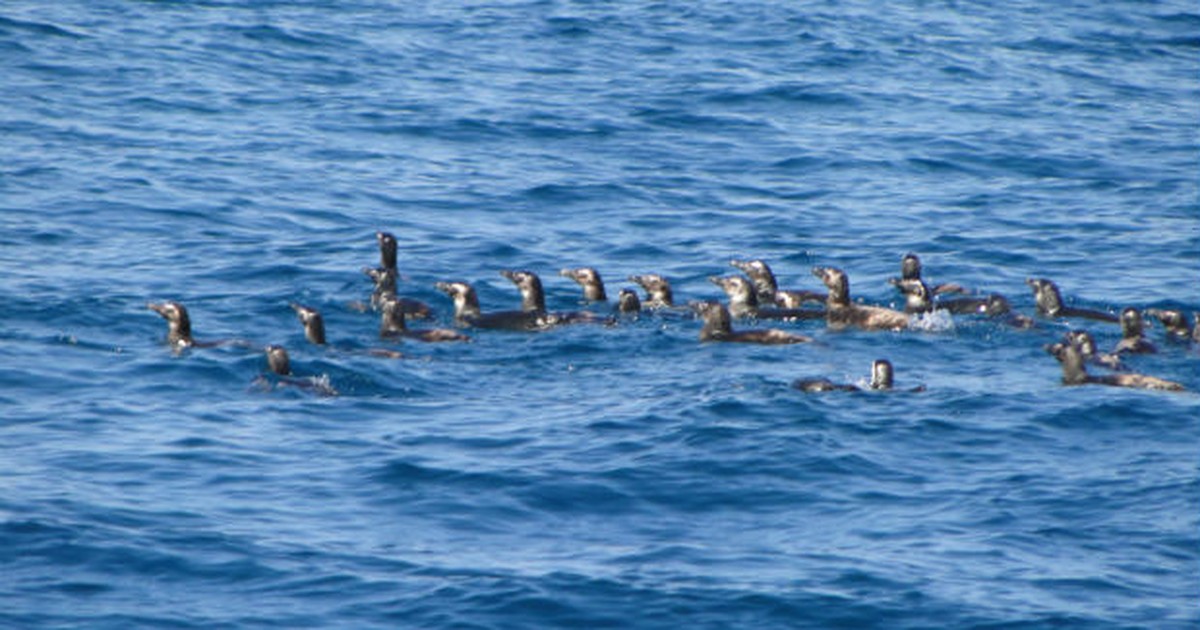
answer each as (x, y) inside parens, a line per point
(385, 286)
(767, 288)
(658, 290)
(533, 300)
(278, 360)
(917, 296)
(589, 279)
(280, 365)
(313, 322)
(882, 379)
(918, 299)
(1074, 372)
(1086, 344)
(883, 376)
(842, 313)
(718, 327)
(743, 301)
(628, 302)
(392, 325)
(179, 323)
(910, 269)
(1133, 340)
(314, 331)
(468, 313)
(1050, 303)
(179, 328)
(1176, 324)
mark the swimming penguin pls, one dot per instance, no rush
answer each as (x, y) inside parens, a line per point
(658, 290)
(822, 385)
(628, 302)
(1176, 324)
(468, 313)
(533, 300)
(278, 361)
(279, 364)
(533, 297)
(314, 331)
(385, 283)
(918, 299)
(842, 313)
(385, 286)
(910, 269)
(589, 279)
(718, 327)
(917, 296)
(179, 327)
(767, 288)
(1086, 344)
(991, 305)
(1075, 374)
(179, 324)
(314, 323)
(1133, 340)
(882, 378)
(997, 306)
(1050, 303)
(392, 325)
(743, 301)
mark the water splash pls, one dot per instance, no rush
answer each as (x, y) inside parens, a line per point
(934, 321)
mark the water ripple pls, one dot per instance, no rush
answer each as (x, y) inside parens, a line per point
(239, 158)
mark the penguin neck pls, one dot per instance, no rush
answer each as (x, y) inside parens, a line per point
(1072, 367)
(532, 297)
(391, 320)
(466, 304)
(716, 324)
(314, 330)
(594, 291)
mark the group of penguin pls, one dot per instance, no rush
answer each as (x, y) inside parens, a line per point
(755, 296)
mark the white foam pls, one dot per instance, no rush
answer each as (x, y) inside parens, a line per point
(935, 321)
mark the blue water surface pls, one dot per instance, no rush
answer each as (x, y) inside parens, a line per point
(239, 156)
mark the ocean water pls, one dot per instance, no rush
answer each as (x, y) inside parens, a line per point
(238, 156)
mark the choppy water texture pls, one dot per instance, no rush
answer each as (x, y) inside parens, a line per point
(240, 156)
